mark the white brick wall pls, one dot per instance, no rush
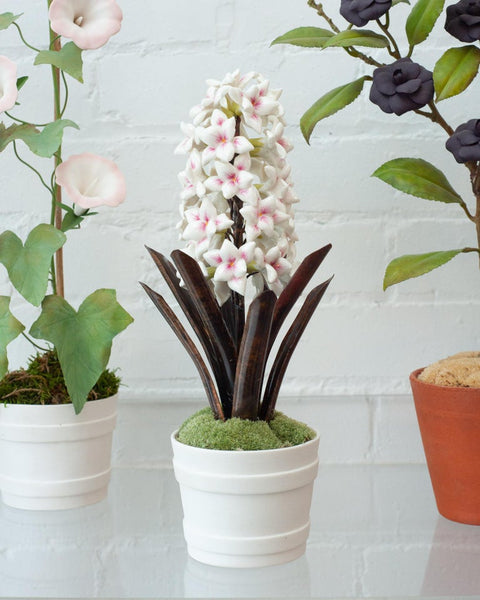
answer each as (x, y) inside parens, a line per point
(140, 86)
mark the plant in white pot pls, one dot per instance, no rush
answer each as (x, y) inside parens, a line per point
(54, 445)
(240, 456)
(447, 394)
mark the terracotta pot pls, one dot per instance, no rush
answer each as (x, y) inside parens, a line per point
(449, 420)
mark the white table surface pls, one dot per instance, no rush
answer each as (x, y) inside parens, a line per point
(375, 533)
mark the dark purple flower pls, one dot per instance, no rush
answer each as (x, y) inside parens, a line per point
(360, 12)
(401, 86)
(463, 20)
(464, 144)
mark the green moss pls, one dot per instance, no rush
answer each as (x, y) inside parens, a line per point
(42, 383)
(204, 431)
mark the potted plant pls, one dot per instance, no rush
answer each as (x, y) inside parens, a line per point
(246, 471)
(53, 454)
(447, 405)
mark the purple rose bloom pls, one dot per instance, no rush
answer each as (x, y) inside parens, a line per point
(464, 144)
(360, 12)
(401, 86)
(463, 20)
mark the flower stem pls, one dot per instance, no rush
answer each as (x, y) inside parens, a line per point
(57, 191)
(23, 39)
(24, 162)
(33, 343)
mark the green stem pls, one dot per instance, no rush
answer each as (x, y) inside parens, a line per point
(65, 102)
(394, 51)
(23, 39)
(33, 343)
(45, 185)
(25, 122)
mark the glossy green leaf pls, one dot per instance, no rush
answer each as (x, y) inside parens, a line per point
(83, 339)
(419, 178)
(358, 37)
(43, 142)
(455, 71)
(414, 265)
(68, 59)
(6, 19)
(10, 328)
(309, 37)
(329, 104)
(421, 20)
(395, 2)
(28, 265)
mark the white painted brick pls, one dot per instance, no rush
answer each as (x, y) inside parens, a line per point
(139, 87)
(396, 436)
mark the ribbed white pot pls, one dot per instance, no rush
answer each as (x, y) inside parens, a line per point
(51, 458)
(246, 508)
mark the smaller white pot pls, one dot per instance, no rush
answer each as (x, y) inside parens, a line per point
(246, 508)
(51, 458)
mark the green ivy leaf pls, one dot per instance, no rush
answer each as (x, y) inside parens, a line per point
(42, 143)
(308, 37)
(46, 142)
(419, 178)
(28, 265)
(21, 81)
(82, 339)
(455, 71)
(6, 19)
(10, 328)
(357, 37)
(421, 20)
(329, 104)
(68, 59)
(414, 265)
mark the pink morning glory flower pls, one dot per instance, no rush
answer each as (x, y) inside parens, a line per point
(8, 83)
(91, 180)
(88, 23)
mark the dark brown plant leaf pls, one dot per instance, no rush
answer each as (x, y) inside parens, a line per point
(210, 313)
(295, 287)
(287, 348)
(189, 308)
(252, 357)
(190, 347)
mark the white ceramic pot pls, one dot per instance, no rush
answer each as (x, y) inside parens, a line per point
(246, 508)
(51, 458)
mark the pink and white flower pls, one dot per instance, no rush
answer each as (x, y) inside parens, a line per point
(275, 267)
(222, 143)
(204, 222)
(231, 180)
(191, 140)
(90, 181)
(193, 177)
(89, 23)
(256, 105)
(262, 218)
(8, 84)
(231, 264)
